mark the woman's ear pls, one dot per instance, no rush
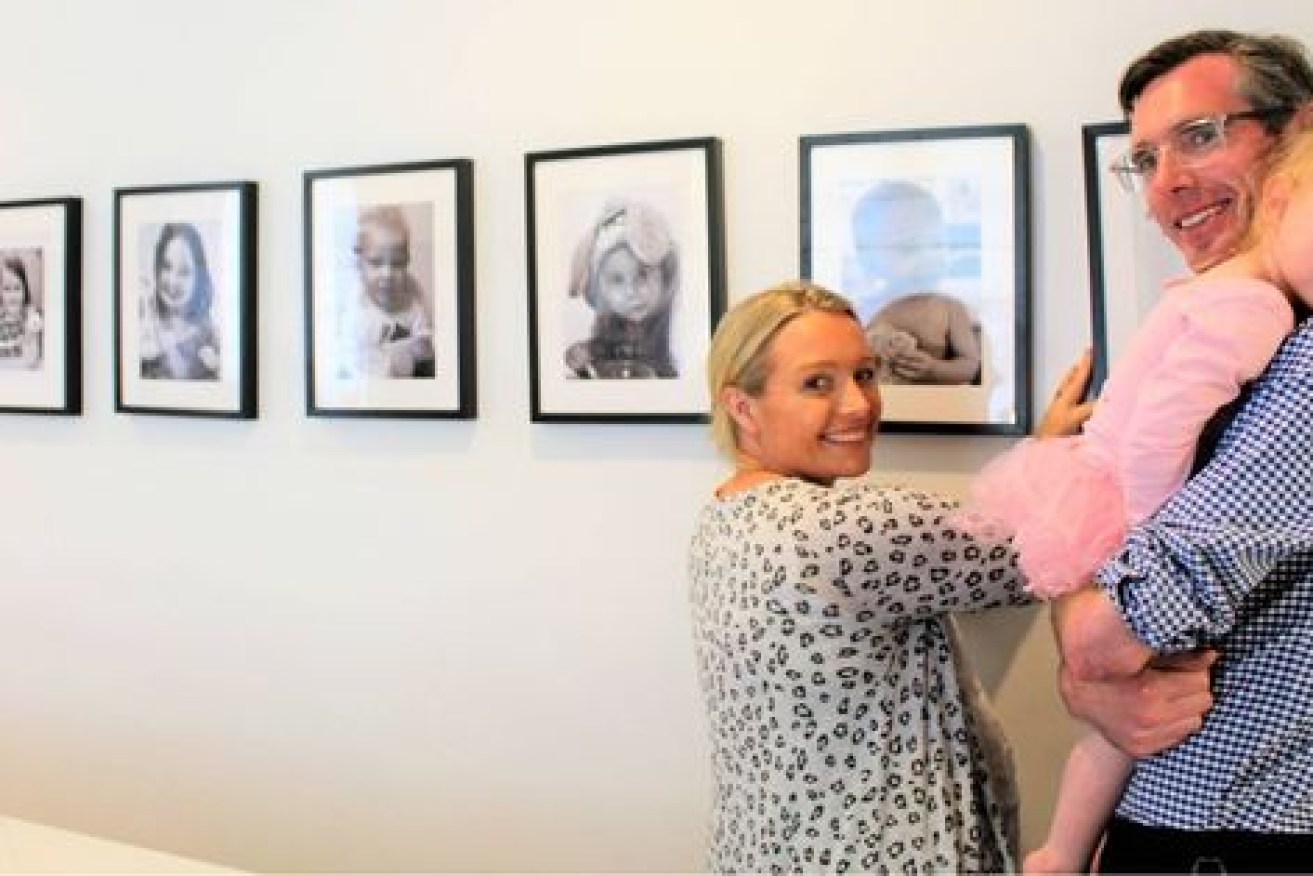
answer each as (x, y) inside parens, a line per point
(741, 408)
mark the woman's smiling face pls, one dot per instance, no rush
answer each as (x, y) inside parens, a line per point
(817, 416)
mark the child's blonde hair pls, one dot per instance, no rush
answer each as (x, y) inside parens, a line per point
(740, 347)
(386, 216)
(1289, 170)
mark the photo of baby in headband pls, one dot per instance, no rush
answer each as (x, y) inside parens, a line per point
(626, 268)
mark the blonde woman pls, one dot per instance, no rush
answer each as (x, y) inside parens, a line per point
(847, 731)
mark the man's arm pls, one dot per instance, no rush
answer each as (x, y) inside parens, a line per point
(1140, 702)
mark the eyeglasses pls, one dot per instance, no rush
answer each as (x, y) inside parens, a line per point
(1191, 141)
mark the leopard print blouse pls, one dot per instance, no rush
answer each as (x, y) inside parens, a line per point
(847, 734)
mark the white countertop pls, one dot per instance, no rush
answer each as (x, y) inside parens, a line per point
(26, 847)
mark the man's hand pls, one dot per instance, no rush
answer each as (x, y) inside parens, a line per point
(1139, 701)
(1148, 712)
(1067, 413)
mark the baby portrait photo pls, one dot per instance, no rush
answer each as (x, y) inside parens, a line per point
(626, 278)
(926, 232)
(390, 290)
(384, 303)
(914, 276)
(184, 299)
(41, 306)
(626, 270)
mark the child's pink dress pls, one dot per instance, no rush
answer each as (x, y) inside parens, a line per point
(1068, 502)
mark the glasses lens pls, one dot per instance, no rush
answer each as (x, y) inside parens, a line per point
(1143, 161)
(1200, 137)
(1126, 174)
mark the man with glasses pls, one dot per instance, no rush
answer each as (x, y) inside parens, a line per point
(1223, 570)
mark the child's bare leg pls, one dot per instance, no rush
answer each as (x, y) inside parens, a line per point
(1092, 782)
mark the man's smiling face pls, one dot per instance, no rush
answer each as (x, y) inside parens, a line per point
(1203, 207)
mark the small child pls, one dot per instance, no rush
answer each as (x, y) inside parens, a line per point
(179, 340)
(385, 330)
(1068, 503)
(627, 270)
(899, 238)
(20, 321)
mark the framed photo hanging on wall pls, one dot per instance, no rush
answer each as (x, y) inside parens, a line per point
(626, 280)
(41, 306)
(389, 268)
(927, 232)
(184, 300)
(1130, 259)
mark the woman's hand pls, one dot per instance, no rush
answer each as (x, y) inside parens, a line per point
(1067, 413)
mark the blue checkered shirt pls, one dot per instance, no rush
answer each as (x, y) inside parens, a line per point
(1227, 563)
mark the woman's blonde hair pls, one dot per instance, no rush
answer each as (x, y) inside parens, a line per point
(740, 348)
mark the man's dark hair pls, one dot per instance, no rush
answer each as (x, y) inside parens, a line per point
(1274, 70)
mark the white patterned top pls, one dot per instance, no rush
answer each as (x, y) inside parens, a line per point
(847, 733)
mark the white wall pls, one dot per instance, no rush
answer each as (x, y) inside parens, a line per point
(350, 645)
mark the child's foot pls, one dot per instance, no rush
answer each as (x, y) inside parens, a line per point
(1046, 859)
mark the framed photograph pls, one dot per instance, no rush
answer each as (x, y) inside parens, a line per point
(1130, 259)
(184, 300)
(389, 268)
(626, 280)
(928, 233)
(41, 306)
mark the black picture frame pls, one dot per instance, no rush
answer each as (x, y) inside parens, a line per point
(943, 217)
(368, 355)
(645, 361)
(200, 362)
(1129, 257)
(41, 332)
